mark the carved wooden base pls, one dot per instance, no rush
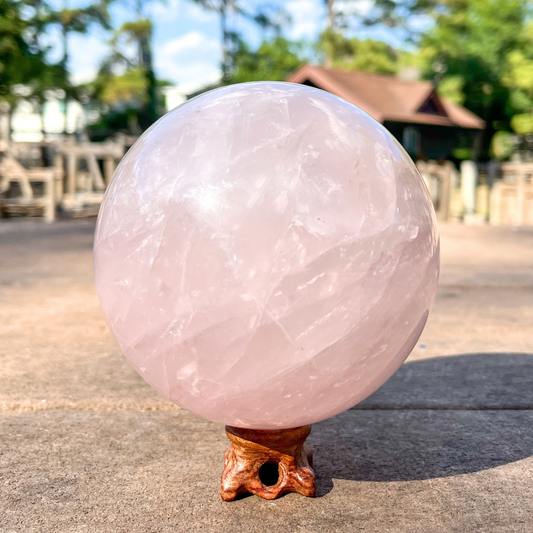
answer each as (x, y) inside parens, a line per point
(268, 463)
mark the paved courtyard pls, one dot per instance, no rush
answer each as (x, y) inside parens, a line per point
(85, 445)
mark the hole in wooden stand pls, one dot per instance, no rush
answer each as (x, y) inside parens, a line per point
(269, 473)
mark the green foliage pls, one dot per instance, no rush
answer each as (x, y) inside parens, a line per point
(503, 145)
(519, 100)
(273, 60)
(124, 120)
(21, 60)
(128, 81)
(129, 87)
(120, 99)
(451, 88)
(355, 54)
(137, 29)
(522, 123)
(349, 13)
(79, 19)
(462, 154)
(268, 17)
(480, 52)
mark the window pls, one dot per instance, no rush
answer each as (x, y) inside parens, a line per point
(411, 140)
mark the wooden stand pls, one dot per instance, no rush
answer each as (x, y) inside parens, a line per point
(267, 463)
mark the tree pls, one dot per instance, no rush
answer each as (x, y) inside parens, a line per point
(330, 14)
(480, 51)
(71, 20)
(140, 31)
(129, 80)
(518, 78)
(267, 17)
(354, 14)
(358, 54)
(22, 62)
(126, 90)
(340, 45)
(274, 60)
(120, 99)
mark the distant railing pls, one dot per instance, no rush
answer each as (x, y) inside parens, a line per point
(89, 169)
(440, 179)
(74, 184)
(511, 197)
(24, 190)
(78, 174)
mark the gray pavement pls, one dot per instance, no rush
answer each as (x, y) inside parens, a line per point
(86, 445)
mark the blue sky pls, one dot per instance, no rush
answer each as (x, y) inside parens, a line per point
(187, 38)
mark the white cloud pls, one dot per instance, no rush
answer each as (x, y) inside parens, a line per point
(307, 16)
(190, 41)
(191, 60)
(196, 76)
(169, 9)
(86, 54)
(420, 22)
(361, 8)
(199, 14)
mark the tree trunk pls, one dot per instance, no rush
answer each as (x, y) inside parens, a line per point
(330, 14)
(64, 63)
(148, 114)
(5, 122)
(42, 101)
(224, 39)
(150, 108)
(44, 149)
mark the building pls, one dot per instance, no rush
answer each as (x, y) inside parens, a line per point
(29, 124)
(428, 126)
(173, 96)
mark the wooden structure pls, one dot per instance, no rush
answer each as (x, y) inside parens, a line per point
(28, 191)
(428, 126)
(440, 179)
(75, 183)
(267, 463)
(85, 182)
(511, 198)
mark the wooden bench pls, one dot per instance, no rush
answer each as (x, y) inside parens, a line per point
(37, 187)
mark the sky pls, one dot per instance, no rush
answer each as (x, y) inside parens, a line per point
(187, 38)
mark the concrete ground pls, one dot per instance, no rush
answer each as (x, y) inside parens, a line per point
(85, 445)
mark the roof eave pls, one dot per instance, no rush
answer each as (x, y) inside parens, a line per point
(430, 89)
(434, 120)
(320, 78)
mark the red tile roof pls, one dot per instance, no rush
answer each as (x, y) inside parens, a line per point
(386, 98)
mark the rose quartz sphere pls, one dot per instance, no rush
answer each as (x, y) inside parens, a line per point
(266, 255)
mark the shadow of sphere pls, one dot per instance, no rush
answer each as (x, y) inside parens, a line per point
(434, 418)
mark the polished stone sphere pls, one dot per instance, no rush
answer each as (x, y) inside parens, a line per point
(266, 255)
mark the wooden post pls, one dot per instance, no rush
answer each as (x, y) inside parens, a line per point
(495, 209)
(94, 169)
(50, 204)
(109, 169)
(71, 174)
(521, 196)
(492, 176)
(445, 193)
(58, 173)
(468, 186)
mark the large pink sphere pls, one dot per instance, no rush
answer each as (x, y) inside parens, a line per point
(266, 255)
